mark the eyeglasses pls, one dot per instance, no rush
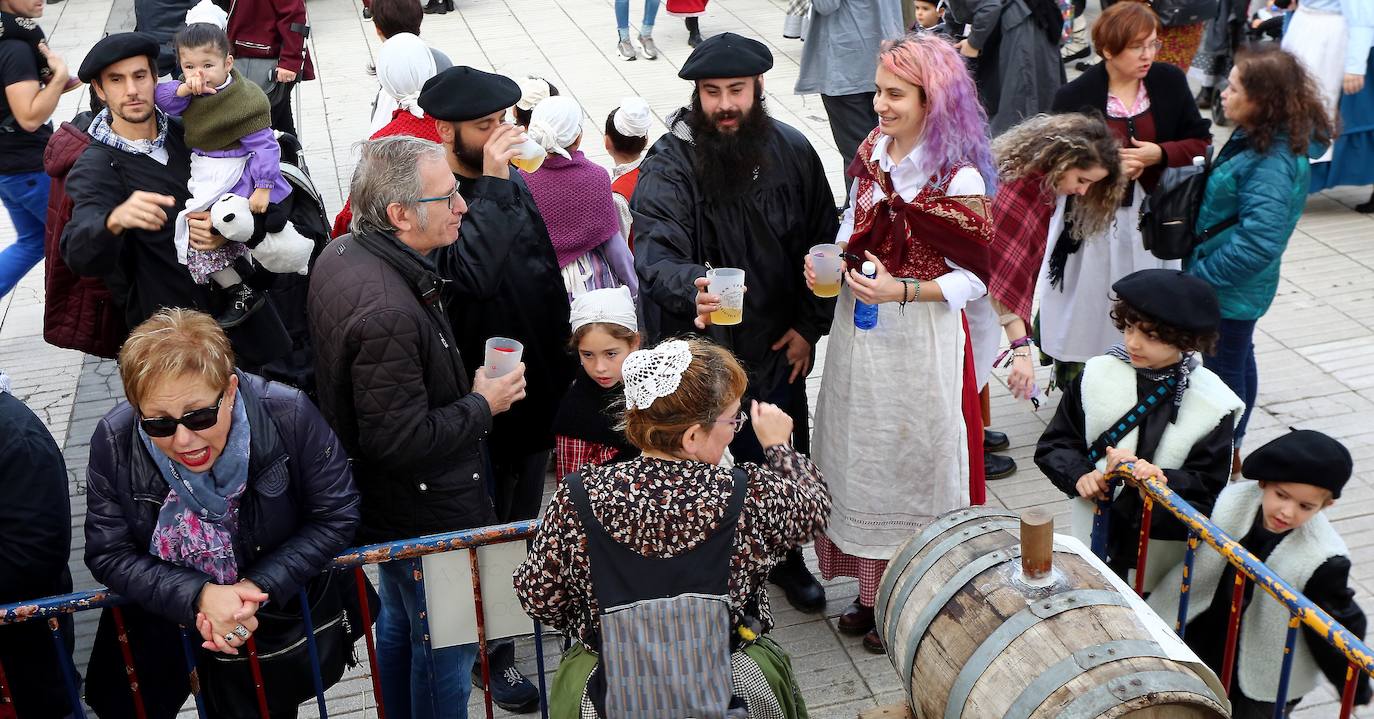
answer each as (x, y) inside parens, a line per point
(738, 421)
(195, 420)
(447, 198)
(1148, 48)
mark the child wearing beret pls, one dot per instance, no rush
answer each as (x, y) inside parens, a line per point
(1148, 401)
(1279, 517)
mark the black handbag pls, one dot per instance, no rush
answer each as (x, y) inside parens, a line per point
(1177, 13)
(226, 682)
(1169, 214)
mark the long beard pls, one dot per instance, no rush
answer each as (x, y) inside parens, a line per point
(727, 163)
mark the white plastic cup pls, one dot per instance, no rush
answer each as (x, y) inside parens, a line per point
(728, 282)
(828, 268)
(503, 355)
(531, 155)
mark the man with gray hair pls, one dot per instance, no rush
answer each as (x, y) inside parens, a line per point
(393, 386)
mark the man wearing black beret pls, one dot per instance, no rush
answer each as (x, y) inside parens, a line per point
(1279, 518)
(1150, 402)
(729, 186)
(505, 282)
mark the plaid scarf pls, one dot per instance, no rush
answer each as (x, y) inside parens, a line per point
(1179, 371)
(913, 239)
(1021, 214)
(101, 132)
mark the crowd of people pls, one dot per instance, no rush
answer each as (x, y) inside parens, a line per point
(491, 302)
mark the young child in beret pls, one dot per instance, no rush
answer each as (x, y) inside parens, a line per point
(1279, 517)
(1148, 401)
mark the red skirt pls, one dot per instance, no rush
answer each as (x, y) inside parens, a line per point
(686, 8)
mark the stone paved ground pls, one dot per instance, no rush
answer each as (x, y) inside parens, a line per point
(1312, 345)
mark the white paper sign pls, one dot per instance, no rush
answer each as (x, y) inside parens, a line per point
(448, 592)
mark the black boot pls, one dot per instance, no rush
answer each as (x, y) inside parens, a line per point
(995, 441)
(996, 466)
(1205, 96)
(438, 7)
(246, 301)
(510, 690)
(693, 31)
(1366, 207)
(804, 593)
(367, 13)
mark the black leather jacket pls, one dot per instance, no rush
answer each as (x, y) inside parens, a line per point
(299, 510)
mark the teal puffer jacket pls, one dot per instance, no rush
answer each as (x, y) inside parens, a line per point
(1268, 192)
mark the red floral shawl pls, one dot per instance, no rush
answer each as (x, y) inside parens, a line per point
(913, 239)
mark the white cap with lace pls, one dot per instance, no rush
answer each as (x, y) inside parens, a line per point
(653, 373)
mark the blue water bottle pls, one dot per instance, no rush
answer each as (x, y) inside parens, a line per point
(866, 315)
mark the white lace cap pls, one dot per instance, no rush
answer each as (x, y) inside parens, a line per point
(207, 12)
(653, 373)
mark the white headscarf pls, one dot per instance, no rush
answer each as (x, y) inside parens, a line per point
(556, 123)
(632, 118)
(533, 90)
(404, 63)
(613, 305)
(207, 12)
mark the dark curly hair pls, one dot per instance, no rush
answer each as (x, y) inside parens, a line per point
(1283, 99)
(1126, 315)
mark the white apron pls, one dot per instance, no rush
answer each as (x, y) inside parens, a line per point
(1318, 39)
(211, 178)
(890, 436)
(1075, 319)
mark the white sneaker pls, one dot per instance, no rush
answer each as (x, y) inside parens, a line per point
(627, 50)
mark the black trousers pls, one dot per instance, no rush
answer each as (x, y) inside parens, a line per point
(851, 119)
(283, 120)
(790, 398)
(518, 485)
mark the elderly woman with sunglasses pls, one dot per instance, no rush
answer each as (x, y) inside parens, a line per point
(210, 492)
(1151, 111)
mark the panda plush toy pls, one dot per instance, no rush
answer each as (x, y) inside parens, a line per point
(282, 252)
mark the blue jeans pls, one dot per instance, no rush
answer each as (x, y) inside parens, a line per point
(622, 16)
(1234, 363)
(417, 683)
(26, 197)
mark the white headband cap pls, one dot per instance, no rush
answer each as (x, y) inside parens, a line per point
(533, 90)
(653, 373)
(556, 123)
(632, 118)
(613, 305)
(207, 12)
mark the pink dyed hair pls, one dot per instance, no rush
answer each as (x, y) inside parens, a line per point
(956, 128)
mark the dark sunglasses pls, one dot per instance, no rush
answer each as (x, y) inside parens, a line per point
(195, 420)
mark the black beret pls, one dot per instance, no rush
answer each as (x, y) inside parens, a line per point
(1172, 298)
(1302, 456)
(727, 55)
(113, 48)
(464, 93)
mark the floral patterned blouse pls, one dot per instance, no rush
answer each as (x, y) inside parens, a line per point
(662, 508)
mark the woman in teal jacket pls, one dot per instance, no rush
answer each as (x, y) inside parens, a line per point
(1261, 178)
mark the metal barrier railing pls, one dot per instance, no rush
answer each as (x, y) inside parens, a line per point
(1248, 569)
(50, 609)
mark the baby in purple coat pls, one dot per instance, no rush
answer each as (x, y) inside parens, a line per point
(227, 120)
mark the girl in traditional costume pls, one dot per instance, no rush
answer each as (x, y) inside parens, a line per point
(898, 427)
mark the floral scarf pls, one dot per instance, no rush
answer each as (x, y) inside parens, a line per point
(200, 517)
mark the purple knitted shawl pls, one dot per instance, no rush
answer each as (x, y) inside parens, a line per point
(574, 198)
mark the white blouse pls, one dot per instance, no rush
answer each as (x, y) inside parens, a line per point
(959, 286)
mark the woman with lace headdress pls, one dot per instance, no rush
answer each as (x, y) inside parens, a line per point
(672, 542)
(573, 195)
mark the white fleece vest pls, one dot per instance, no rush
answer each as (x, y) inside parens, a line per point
(1109, 392)
(1264, 625)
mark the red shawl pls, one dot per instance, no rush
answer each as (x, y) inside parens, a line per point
(1021, 214)
(913, 239)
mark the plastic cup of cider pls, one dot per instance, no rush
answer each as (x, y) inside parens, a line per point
(728, 282)
(531, 155)
(503, 355)
(828, 268)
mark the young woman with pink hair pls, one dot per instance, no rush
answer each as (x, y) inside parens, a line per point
(898, 429)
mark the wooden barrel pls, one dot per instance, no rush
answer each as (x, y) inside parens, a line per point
(972, 640)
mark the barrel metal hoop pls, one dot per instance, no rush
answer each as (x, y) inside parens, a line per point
(997, 642)
(1071, 666)
(1125, 688)
(913, 578)
(951, 587)
(935, 529)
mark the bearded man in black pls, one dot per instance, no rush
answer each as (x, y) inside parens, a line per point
(729, 186)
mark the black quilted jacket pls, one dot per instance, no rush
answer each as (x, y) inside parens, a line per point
(392, 384)
(300, 508)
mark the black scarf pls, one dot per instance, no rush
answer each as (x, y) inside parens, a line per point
(25, 30)
(1064, 246)
(590, 413)
(1049, 18)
